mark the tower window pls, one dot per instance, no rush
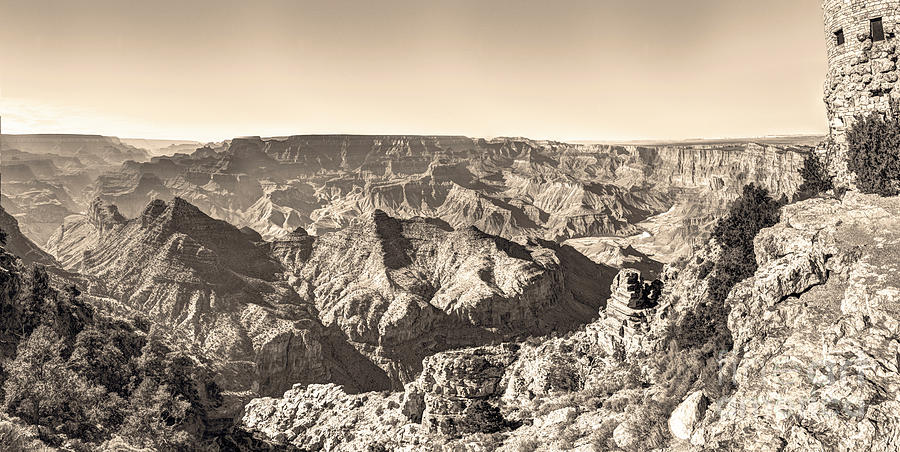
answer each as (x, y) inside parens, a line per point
(877, 28)
(839, 37)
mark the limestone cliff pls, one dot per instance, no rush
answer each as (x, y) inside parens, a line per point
(815, 357)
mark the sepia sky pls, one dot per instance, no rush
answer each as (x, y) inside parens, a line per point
(560, 69)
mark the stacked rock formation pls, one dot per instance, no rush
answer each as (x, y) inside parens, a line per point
(631, 305)
(456, 392)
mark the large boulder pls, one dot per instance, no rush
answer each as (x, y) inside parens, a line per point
(687, 415)
(626, 435)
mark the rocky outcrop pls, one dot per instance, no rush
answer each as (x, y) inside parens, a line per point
(815, 359)
(631, 302)
(324, 417)
(456, 392)
(294, 249)
(104, 217)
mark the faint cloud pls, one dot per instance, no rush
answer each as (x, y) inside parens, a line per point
(26, 116)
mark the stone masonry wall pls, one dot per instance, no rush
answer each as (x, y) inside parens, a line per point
(862, 74)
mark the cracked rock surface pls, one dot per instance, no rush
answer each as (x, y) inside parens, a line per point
(816, 333)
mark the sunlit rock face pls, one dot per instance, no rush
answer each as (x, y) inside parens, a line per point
(658, 199)
(401, 290)
(816, 350)
(361, 307)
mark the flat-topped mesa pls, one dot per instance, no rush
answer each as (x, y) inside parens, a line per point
(104, 216)
(632, 302)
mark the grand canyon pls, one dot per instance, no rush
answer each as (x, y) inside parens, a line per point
(270, 286)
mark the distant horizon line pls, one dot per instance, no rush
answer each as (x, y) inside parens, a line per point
(635, 141)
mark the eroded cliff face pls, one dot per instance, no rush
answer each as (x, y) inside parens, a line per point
(401, 290)
(217, 288)
(813, 365)
(361, 307)
(506, 187)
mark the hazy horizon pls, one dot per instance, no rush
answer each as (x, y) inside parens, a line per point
(605, 71)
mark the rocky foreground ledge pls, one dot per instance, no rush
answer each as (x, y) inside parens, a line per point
(814, 365)
(817, 333)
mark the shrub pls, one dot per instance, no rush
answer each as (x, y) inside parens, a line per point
(527, 445)
(749, 214)
(650, 422)
(874, 154)
(602, 436)
(14, 438)
(42, 390)
(754, 210)
(816, 178)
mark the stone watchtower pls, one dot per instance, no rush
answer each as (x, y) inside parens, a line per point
(862, 60)
(862, 74)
